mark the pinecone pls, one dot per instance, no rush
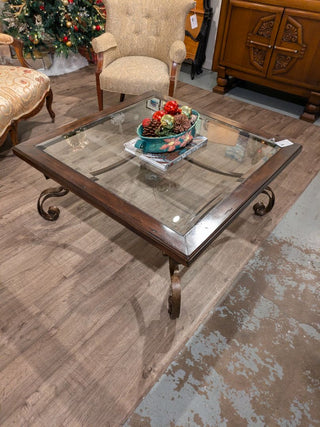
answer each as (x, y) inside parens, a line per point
(181, 123)
(151, 129)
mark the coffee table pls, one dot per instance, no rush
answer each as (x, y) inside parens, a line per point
(180, 210)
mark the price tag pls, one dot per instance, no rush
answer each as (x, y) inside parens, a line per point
(283, 143)
(193, 21)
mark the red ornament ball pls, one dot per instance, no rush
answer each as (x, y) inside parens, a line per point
(171, 107)
(75, 28)
(70, 1)
(98, 28)
(158, 114)
(65, 39)
(146, 122)
(41, 7)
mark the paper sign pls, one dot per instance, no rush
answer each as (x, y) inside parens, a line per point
(283, 143)
(193, 21)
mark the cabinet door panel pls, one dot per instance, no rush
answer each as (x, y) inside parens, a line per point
(250, 33)
(296, 54)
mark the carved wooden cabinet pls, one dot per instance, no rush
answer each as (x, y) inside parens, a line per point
(271, 43)
(196, 39)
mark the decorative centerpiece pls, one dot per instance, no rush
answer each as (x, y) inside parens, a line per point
(168, 130)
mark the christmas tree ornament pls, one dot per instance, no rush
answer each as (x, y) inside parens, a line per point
(146, 122)
(69, 43)
(158, 114)
(65, 39)
(69, 24)
(171, 107)
(65, 2)
(167, 121)
(187, 111)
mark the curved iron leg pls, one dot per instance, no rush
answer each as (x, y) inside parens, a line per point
(53, 211)
(260, 208)
(174, 300)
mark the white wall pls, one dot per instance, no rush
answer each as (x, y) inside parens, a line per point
(216, 5)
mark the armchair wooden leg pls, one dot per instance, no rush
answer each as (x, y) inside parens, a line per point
(49, 99)
(100, 99)
(14, 133)
(173, 75)
(99, 92)
(122, 95)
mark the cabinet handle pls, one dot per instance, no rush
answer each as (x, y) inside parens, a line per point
(261, 44)
(285, 49)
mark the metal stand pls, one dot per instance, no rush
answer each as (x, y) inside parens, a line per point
(53, 212)
(260, 208)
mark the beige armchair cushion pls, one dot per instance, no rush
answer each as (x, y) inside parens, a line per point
(21, 90)
(134, 75)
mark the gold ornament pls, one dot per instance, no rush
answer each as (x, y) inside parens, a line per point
(36, 40)
(186, 110)
(65, 2)
(69, 43)
(69, 24)
(93, 27)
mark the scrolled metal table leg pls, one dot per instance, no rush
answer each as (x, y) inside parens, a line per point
(174, 299)
(53, 211)
(260, 208)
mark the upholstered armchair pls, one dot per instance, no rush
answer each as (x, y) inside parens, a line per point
(23, 92)
(142, 48)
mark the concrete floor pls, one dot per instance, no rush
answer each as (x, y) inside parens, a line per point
(256, 359)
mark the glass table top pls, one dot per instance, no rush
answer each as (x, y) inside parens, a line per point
(178, 197)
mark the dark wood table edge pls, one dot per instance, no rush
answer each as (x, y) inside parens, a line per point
(181, 249)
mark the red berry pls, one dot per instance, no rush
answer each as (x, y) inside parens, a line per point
(146, 122)
(171, 107)
(158, 114)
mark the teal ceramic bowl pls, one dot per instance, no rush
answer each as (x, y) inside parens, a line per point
(166, 143)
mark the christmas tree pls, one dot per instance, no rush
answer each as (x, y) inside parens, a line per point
(57, 25)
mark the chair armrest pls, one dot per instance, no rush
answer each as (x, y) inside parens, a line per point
(6, 39)
(178, 52)
(104, 42)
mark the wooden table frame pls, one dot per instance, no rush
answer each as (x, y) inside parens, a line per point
(181, 249)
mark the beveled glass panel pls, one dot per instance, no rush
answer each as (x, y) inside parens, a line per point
(184, 193)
